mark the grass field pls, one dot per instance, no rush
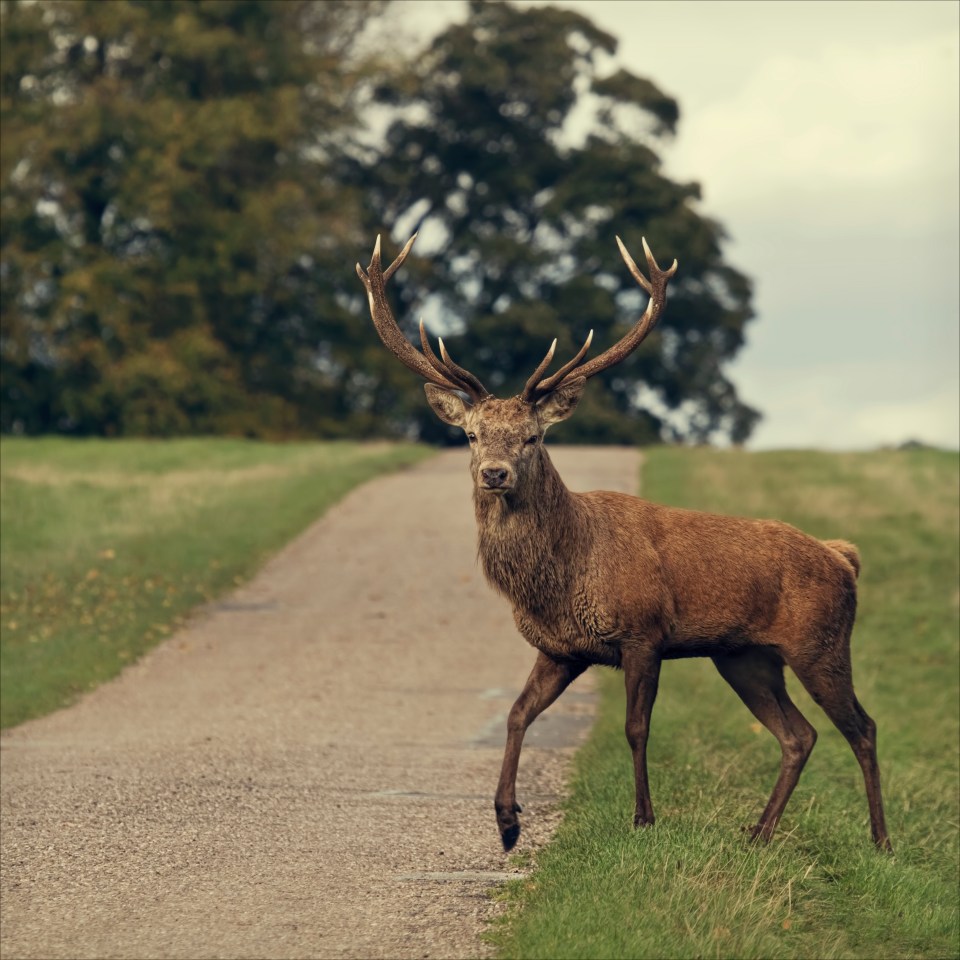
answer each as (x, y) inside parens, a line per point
(691, 886)
(108, 544)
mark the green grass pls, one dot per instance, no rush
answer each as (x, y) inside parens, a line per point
(691, 886)
(108, 544)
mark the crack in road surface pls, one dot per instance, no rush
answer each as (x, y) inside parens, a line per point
(307, 768)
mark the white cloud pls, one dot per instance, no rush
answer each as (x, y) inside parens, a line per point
(858, 133)
(933, 419)
(844, 406)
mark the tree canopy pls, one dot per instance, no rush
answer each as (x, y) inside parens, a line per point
(186, 186)
(175, 225)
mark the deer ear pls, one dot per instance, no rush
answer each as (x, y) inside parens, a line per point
(446, 405)
(560, 404)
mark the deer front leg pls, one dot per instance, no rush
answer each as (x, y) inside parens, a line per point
(641, 667)
(548, 679)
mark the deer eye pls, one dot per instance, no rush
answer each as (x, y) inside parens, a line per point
(472, 437)
(531, 441)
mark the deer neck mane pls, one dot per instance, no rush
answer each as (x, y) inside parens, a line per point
(529, 540)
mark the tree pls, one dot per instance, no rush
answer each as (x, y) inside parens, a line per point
(482, 158)
(185, 188)
(175, 222)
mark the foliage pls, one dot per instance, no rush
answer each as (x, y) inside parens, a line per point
(107, 544)
(692, 886)
(174, 224)
(187, 183)
(485, 156)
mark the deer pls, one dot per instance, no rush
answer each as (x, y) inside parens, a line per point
(605, 578)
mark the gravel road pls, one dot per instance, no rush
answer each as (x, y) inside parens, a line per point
(307, 768)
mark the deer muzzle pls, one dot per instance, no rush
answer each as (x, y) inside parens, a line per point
(495, 477)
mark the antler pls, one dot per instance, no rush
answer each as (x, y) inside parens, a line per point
(444, 373)
(656, 286)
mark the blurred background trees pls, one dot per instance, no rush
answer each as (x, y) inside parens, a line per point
(186, 186)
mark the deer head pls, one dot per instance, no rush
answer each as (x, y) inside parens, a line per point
(505, 435)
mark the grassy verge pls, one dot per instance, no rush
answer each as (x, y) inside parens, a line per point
(107, 544)
(691, 886)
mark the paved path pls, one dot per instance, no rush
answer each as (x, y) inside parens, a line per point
(307, 769)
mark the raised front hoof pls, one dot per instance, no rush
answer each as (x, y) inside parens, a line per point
(643, 820)
(509, 826)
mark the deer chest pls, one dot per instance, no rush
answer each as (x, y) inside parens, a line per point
(578, 634)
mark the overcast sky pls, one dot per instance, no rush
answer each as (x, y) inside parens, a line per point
(825, 138)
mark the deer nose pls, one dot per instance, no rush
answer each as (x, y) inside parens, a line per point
(494, 476)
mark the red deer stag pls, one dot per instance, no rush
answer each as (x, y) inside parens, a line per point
(607, 578)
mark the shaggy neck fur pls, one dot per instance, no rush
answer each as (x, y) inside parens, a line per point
(532, 539)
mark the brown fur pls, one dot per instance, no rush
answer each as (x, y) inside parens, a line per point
(848, 551)
(606, 578)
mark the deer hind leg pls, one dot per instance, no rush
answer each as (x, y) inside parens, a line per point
(829, 680)
(548, 679)
(757, 678)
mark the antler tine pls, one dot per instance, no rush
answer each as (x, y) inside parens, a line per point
(428, 351)
(652, 264)
(374, 279)
(473, 385)
(632, 266)
(401, 256)
(656, 286)
(468, 384)
(530, 389)
(537, 388)
(552, 381)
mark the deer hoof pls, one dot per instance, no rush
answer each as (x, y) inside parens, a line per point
(509, 825)
(509, 837)
(642, 820)
(758, 833)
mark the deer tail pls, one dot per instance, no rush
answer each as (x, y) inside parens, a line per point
(848, 551)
